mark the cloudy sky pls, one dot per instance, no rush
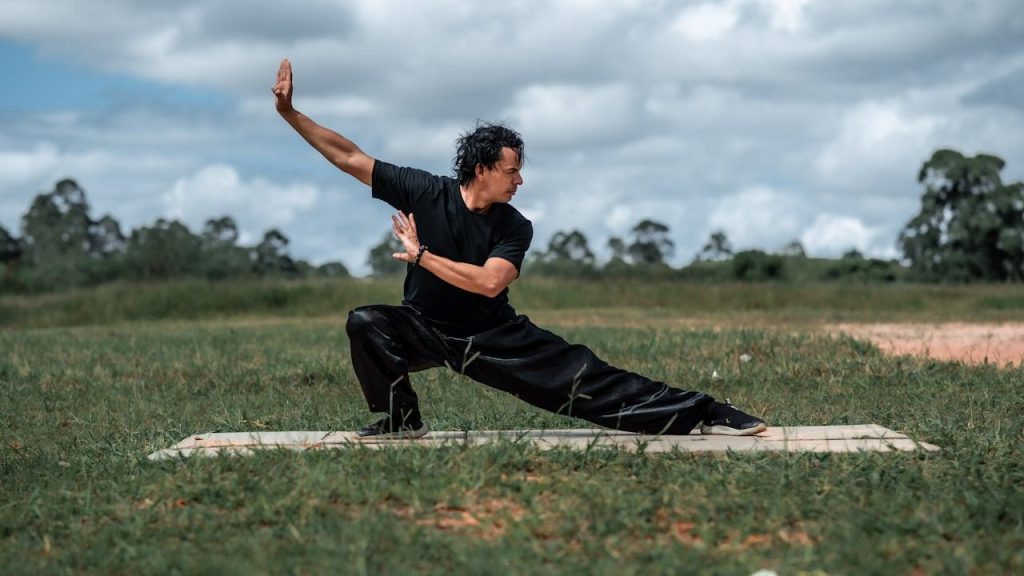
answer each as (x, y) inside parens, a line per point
(774, 120)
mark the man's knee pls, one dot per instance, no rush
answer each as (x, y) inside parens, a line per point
(361, 320)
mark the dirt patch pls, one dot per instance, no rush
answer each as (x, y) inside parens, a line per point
(487, 519)
(999, 344)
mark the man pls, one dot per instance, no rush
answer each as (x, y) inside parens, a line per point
(463, 245)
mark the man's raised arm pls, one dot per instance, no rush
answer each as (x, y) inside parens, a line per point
(339, 150)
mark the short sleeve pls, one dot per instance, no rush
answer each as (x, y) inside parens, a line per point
(400, 187)
(514, 243)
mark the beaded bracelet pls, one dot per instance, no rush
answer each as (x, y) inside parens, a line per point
(419, 254)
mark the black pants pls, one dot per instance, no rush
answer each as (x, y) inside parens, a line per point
(389, 342)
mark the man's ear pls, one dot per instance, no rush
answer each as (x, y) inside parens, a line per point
(480, 168)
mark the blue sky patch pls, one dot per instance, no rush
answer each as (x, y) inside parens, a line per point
(47, 84)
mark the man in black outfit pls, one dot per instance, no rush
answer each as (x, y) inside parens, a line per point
(464, 244)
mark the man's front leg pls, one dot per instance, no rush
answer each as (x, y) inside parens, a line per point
(379, 362)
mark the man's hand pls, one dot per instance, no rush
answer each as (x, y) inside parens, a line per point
(405, 230)
(283, 88)
(487, 280)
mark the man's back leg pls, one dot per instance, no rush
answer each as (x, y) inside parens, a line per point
(548, 372)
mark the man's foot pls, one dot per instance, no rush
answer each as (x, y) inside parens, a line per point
(386, 429)
(726, 419)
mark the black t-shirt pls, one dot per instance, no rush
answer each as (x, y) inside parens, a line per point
(451, 230)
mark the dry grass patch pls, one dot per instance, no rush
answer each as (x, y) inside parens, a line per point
(487, 518)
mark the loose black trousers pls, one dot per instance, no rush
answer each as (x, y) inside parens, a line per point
(389, 342)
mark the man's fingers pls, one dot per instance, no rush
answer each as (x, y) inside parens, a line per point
(284, 78)
(403, 221)
(284, 75)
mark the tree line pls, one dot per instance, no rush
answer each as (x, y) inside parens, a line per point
(970, 227)
(61, 246)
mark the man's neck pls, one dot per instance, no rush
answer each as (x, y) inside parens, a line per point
(471, 198)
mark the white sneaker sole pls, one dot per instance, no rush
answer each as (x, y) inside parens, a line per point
(727, 431)
(402, 435)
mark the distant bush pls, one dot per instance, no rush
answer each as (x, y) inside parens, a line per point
(706, 271)
(755, 265)
(854, 266)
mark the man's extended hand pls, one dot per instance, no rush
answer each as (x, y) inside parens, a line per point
(405, 230)
(283, 87)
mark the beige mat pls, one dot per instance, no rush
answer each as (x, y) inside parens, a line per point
(856, 438)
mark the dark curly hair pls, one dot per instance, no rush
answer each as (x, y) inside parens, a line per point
(483, 146)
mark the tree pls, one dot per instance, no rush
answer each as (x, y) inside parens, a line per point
(221, 256)
(10, 247)
(619, 264)
(756, 265)
(379, 259)
(270, 256)
(57, 225)
(167, 249)
(10, 252)
(63, 246)
(971, 225)
(794, 250)
(651, 244)
(618, 248)
(571, 246)
(567, 254)
(716, 248)
(220, 232)
(105, 238)
(854, 266)
(332, 269)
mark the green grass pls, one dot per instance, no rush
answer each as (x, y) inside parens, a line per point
(734, 303)
(81, 407)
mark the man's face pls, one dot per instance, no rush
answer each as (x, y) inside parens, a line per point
(500, 182)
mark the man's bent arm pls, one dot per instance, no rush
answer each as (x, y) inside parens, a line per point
(337, 149)
(488, 280)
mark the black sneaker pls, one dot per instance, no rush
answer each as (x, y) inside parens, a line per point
(726, 419)
(386, 429)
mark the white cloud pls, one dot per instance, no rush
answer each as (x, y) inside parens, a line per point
(621, 217)
(427, 145)
(332, 107)
(708, 21)
(757, 217)
(876, 139)
(787, 15)
(562, 115)
(752, 115)
(17, 167)
(112, 183)
(256, 205)
(832, 235)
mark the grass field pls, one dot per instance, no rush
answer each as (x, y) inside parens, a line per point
(91, 382)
